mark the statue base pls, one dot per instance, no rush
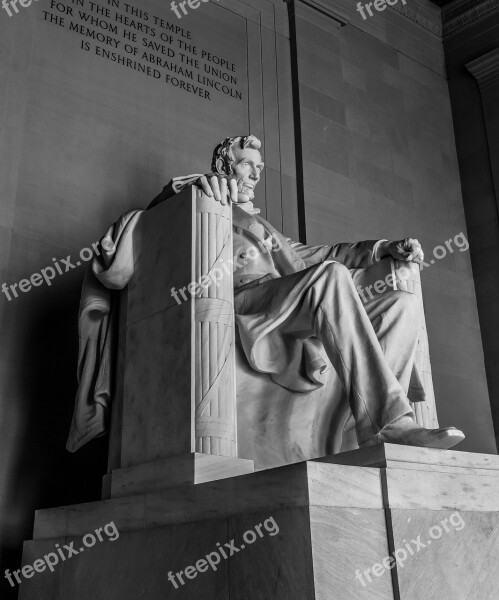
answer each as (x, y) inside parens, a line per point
(174, 471)
(313, 530)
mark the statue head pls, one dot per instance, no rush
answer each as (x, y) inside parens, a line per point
(240, 157)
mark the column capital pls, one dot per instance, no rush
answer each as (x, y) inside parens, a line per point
(485, 69)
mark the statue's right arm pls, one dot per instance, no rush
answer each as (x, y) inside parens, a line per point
(174, 186)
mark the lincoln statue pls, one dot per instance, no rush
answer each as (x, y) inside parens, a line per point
(286, 291)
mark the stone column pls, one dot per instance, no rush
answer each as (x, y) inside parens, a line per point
(485, 70)
(483, 217)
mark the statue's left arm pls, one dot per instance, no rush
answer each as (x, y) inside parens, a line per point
(174, 186)
(360, 254)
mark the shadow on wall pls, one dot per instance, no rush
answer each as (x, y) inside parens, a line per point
(42, 370)
(38, 362)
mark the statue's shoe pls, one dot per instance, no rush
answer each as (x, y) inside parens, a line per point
(411, 434)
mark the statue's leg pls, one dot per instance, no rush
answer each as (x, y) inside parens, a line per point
(395, 317)
(332, 310)
(327, 305)
(322, 301)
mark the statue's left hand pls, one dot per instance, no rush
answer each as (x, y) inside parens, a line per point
(408, 250)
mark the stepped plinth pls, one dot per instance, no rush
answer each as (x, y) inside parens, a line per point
(318, 529)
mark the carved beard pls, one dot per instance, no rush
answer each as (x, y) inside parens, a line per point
(245, 193)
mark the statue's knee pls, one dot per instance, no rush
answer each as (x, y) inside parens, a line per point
(336, 269)
(329, 278)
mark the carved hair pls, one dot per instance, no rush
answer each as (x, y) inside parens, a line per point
(224, 151)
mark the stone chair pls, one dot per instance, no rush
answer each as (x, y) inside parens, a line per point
(277, 426)
(185, 393)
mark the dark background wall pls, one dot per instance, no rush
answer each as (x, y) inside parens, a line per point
(476, 139)
(379, 161)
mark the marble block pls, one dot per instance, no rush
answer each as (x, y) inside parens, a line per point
(409, 457)
(313, 553)
(298, 485)
(421, 524)
(320, 516)
(171, 472)
(442, 512)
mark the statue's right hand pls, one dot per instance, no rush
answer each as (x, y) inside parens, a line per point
(220, 187)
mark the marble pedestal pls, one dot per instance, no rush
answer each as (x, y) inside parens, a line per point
(335, 521)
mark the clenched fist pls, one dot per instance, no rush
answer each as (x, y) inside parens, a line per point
(408, 249)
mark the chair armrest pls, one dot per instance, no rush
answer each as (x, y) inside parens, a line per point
(387, 274)
(390, 274)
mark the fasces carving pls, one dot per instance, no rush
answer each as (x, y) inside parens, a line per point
(426, 412)
(215, 425)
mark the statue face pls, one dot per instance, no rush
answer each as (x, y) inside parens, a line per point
(247, 167)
